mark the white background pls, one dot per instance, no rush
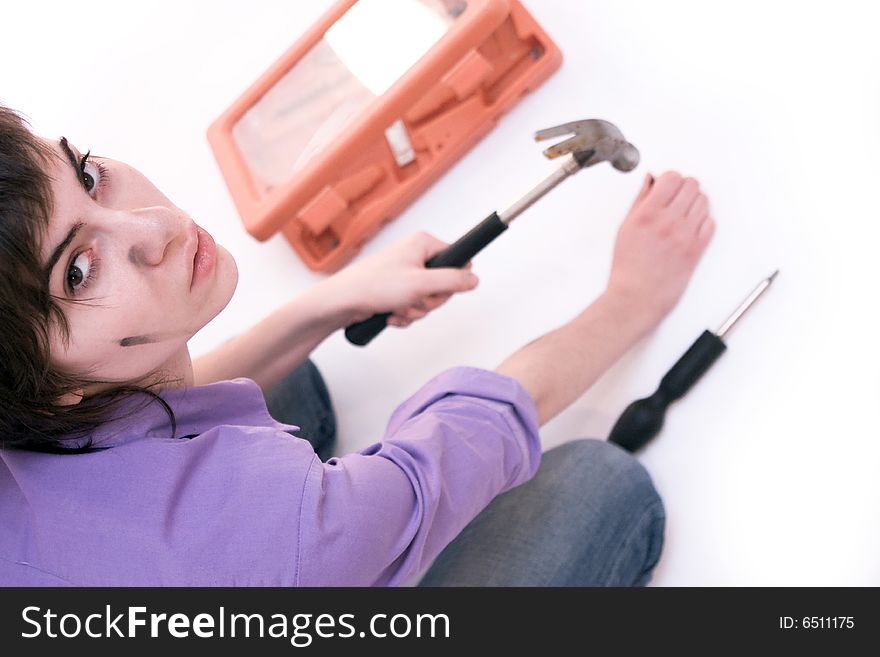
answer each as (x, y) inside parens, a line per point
(769, 468)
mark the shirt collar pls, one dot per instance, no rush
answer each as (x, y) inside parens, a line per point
(196, 409)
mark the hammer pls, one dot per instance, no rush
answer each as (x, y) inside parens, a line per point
(593, 141)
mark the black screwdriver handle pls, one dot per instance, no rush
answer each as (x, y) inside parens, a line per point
(457, 255)
(693, 365)
(643, 419)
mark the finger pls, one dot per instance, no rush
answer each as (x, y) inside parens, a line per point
(399, 322)
(698, 224)
(408, 315)
(685, 195)
(705, 232)
(429, 245)
(699, 209)
(413, 313)
(665, 188)
(446, 280)
(435, 301)
(646, 187)
(696, 221)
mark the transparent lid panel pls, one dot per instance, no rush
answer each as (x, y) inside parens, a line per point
(360, 57)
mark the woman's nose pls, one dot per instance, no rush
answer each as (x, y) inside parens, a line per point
(153, 233)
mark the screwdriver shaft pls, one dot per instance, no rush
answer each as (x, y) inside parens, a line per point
(745, 305)
(643, 419)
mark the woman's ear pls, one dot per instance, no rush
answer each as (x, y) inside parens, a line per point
(71, 398)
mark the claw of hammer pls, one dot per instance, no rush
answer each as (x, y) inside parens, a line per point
(592, 141)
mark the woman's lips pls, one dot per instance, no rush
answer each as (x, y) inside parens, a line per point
(205, 257)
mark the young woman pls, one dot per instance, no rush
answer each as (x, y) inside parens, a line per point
(124, 462)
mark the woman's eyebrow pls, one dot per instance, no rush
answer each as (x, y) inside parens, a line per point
(59, 250)
(71, 234)
(70, 156)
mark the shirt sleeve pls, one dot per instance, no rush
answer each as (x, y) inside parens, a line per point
(380, 516)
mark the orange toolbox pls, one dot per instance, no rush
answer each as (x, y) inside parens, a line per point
(344, 131)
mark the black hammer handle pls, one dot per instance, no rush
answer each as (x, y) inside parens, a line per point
(455, 255)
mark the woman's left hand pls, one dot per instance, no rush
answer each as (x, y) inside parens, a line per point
(396, 280)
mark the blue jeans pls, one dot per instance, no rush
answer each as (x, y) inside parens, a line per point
(590, 517)
(303, 399)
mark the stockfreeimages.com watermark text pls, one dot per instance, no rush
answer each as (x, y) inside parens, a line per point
(299, 629)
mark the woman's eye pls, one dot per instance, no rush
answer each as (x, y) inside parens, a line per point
(78, 272)
(91, 175)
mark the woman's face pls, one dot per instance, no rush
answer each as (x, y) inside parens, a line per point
(132, 257)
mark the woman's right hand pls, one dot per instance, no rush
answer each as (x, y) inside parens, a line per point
(659, 244)
(395, 280)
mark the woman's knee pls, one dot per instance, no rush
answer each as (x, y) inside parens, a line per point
(605, 469)
(623, 514)
(589, 517)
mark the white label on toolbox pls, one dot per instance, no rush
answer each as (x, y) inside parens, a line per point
(401, 146)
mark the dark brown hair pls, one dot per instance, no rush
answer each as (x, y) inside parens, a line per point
(30, 386)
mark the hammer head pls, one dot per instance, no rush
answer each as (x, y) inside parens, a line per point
(593, 141)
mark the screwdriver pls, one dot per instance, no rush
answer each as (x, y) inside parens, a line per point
(643, 419)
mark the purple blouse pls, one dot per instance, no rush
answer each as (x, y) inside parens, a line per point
(245, 503)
